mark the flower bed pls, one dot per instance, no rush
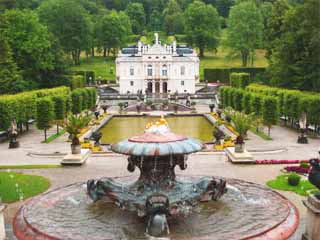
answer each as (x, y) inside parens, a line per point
(280, 161)
(297, 169)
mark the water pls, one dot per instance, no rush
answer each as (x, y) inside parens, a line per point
(119, 128)
(67, 214)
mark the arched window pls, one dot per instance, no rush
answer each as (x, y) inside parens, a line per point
(164, 70)
(149, 70)
(182, 70)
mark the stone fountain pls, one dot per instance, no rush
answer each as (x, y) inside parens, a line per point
(157, 193)
(158, 203)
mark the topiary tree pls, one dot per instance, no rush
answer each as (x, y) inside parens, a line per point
(270, 111)
(237, 99)
(246, 102)
(77, 100)
(256, 104)
(239, 80)
(45, 114)
(60, 109)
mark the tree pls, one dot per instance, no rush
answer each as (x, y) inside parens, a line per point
(274, 26)
(10, 78)
(155, 23)
(137, 17)
(70, 24)
(202, 25)
(30, 42)
(295, 60)
(60, 110)
(244, 32)
(270, 112)
(113, 31)
(45, 114)
(173, 18)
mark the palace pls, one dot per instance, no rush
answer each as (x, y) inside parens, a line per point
(157, 68)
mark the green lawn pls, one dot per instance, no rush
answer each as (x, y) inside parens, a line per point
(18, 186)
(100, 65)
(281, 183)
(33, 166)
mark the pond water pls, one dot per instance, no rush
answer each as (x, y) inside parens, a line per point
(119, 128)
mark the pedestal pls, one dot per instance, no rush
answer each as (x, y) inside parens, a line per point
(313, 219)
(2, 226)
(76, 159)
(234, 157)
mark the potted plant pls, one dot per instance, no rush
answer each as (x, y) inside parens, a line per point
(104, 107)
(73, 126)
(242, 123)
(121, 106)
(211, 106)
(217, 134)
(228, 112)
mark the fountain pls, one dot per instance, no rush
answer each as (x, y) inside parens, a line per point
(158, 203)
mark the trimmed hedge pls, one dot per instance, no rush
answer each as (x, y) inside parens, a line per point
(22, 106)
(78, 81)
(223, 74)
(45, 114)
(239, 80)
(292, 103)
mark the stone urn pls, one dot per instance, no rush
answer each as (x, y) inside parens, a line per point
(211, 106)
(75, 148)
(239, 144)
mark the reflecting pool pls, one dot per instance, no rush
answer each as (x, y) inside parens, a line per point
(119, 128)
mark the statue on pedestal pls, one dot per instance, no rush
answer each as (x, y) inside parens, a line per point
(13, 134)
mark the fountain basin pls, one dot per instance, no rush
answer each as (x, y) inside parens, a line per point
(246, 211)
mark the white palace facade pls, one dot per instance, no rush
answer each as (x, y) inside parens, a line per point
(157, 69)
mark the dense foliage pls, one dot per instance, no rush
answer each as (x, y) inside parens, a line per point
(202, 26)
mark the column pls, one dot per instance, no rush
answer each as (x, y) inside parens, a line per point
(161, 89)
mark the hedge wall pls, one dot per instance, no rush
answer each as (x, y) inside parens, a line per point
(239, 80)
(223, 74)
(22, 106)
(289, 103)
(78, 81)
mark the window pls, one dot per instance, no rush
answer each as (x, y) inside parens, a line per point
(182, 70)
(131, 83)
(182, 83)
(131, 71)
(149, 70)
(164, 70)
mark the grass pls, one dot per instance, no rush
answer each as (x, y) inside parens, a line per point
(261, 134)
(34, 166)
(18, 186)
(304, 188)
(54, 136)
(100, 65)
